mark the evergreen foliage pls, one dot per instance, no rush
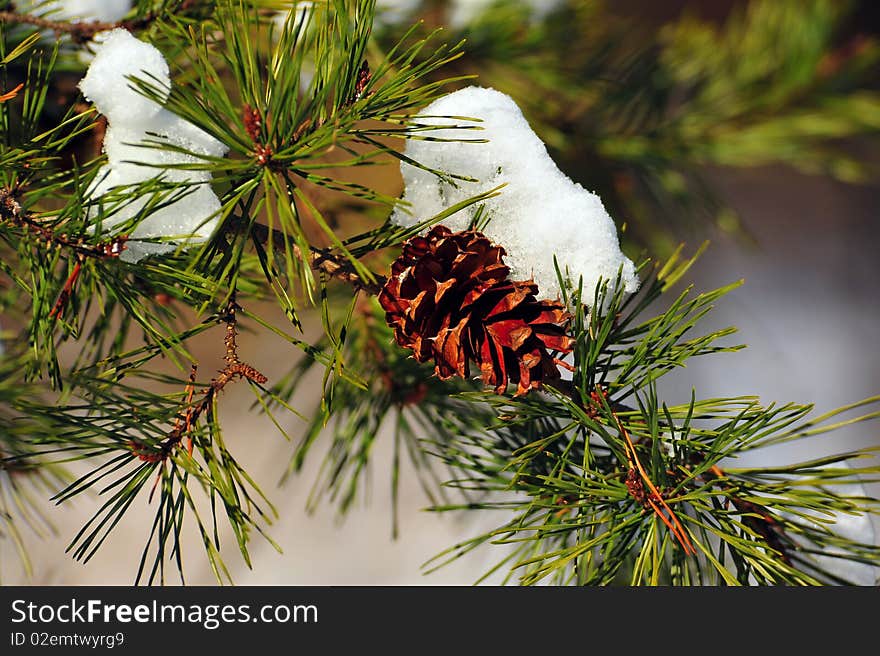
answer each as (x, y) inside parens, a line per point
(602, 481)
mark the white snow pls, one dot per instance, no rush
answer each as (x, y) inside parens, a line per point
(120, 55)
(541, 212)
(135, 122)
(85, 10)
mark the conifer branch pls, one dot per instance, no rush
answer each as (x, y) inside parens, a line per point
(602, 481)
(321, 259)
(190, 413)
(11, 212)
(79, 31)
(754, 515)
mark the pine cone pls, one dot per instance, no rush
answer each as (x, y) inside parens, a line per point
(449, 300)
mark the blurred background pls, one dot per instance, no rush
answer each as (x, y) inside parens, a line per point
(752, 125)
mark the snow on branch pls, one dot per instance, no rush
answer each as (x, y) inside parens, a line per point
(144, 141)
(539, 213)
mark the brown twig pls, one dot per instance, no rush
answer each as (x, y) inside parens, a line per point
(638, 483)
(191, 412)
(12, 93)
(652, 497)
(335, 266)
(80, 31)
(11, 212)
(755, 516)
(67, 290)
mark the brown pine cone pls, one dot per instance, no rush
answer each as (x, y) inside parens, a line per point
(449, 300)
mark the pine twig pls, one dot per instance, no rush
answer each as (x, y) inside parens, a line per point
(325, 260)
(12, 93)
(637, 479)
(190, 414)
(756, 517)
(11, 212)
(80, 31)
(654, 498)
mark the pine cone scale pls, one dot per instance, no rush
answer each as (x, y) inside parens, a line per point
(449, 300)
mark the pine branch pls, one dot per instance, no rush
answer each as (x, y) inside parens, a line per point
(191, 413)
(602, 481)
(79, 31)
(12, 213)
(325, 260)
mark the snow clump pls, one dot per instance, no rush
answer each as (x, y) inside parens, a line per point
(136, 125)
(78, 10)
(538, 214)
